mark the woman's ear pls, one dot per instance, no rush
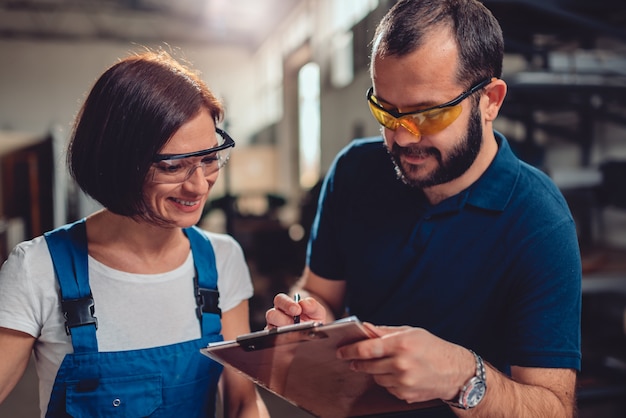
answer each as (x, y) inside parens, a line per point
(495, 92)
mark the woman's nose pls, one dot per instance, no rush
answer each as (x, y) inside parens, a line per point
(196, 178)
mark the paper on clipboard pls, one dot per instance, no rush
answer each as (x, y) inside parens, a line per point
(299, 363)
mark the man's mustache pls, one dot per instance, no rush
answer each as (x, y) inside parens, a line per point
(415, 151)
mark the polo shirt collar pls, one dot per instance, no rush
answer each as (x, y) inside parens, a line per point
(493, 190)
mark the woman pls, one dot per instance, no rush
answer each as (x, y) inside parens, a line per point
(117, 315)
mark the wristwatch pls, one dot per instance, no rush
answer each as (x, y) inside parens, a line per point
(474, 390)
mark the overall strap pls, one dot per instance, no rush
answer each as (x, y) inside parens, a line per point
(205, 282)
(68, 249)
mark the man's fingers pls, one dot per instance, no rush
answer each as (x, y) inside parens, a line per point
(364, 350)
(312, 310)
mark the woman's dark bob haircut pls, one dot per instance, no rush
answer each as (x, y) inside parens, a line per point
(133, 109)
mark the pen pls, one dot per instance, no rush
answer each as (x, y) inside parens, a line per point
(296, 298)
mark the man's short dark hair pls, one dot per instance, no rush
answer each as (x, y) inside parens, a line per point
(477, 33)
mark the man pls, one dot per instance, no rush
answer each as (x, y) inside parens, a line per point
(467, 255)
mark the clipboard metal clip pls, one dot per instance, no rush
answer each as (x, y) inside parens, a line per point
(290, 334)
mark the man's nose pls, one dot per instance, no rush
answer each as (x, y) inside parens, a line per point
(407, 133)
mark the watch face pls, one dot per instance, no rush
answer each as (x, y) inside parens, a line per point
(475, 392)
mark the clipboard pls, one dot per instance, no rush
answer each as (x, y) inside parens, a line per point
(299, 364)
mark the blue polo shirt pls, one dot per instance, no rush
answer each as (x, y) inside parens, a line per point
(495, 268)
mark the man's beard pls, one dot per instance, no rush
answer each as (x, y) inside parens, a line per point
(458, 162)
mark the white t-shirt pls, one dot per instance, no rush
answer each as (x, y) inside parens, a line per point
(133, 310)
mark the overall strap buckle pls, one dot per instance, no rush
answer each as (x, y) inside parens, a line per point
(207, 302)
(78, 312)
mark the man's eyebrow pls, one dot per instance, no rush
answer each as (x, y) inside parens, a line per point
(405, 109)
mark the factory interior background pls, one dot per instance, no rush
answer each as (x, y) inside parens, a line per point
(293, 76)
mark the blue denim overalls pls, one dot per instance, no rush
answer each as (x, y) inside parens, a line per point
(168, 381)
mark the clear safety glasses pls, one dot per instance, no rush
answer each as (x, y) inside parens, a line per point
(178, 168)
(421, 122)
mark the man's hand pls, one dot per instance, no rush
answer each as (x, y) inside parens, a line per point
(285, 308)
(411, 363)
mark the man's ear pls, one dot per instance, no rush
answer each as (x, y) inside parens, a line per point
(495, 92)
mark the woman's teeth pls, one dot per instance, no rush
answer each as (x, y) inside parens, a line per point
(185, 202)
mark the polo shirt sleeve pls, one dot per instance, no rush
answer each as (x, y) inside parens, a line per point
(545, 314)
(324, 256)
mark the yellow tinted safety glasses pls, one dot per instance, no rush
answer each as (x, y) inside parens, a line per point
(421, 122)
